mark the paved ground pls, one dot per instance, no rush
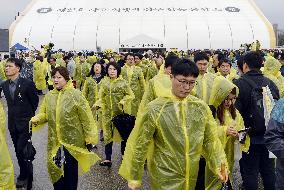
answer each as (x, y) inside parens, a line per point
(99, 178)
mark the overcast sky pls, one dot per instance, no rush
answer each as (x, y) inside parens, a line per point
(273, 10)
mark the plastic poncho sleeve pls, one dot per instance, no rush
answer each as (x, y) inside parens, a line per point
(125, 102)
(6, 164)
(41, 117)
(142, 82)
(136, 150)
(85, 90)
(88, 122)
(212, 146)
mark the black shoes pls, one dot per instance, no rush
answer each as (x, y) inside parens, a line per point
(105, 163)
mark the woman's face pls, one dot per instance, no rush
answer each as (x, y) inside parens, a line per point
(97, 68)
(112, 72)
(58, 81)
(229, 100)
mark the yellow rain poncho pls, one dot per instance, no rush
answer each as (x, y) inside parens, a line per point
(159, 86)
(90, 91)
(6, 164)
(134, 76)
(272, 71)
(71, 124)
(40, 72)
(172, 134)
(204, 85)
(149, 69)
(232, 76)
(220, 90)
(2, 70)
(114, 97)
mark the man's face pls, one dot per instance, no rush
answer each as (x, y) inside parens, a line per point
(182, 85)
(215, 60)
(11, 69)
(202, 66)
(130, 60)
(225, 69)
(82, 59)
(52, 62)
(168, 70)
(137, 59)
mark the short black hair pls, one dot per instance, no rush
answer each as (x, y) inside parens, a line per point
(116, 66)
(170, 60)
(139, 55)
(240, 62)
(224, 60)
(200, 56)
(128, 54)
(16, 61)
(51, 59)
(6, 56)
(186, 68)
(253, 59)
(66, 58)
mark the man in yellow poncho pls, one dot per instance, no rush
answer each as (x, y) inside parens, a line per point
(6, 164)
(149, 70)
(226, 70)
(230, 122)
(272, 71)
(205, 79)
(71, 129)
(134, 76)
(2, 70)
(160, 85)
(40, 71)
(81, 71)
(181, 128)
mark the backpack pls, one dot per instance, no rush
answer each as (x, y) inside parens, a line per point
(256, 120)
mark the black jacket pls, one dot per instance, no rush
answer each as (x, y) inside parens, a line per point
(25, 101)
(243, 100)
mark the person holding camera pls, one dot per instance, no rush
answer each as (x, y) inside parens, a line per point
(230, 123)
(72, 131)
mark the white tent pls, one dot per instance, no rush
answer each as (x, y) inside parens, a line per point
(182, 24)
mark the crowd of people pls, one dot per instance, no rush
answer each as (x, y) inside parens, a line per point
(196, 114)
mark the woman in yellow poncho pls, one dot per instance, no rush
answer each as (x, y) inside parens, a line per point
(229, 122)
(71, 131)
(115, 97)
(40, 72)
(272, 71)
(6, 164)
(91, 88)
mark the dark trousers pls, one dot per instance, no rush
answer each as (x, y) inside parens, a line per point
(255, 162)
(70, 179)
(108, 149)
(200, 183)
(279, 185)
(20, 139)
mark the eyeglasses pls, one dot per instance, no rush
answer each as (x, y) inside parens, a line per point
(185, 83)
(130, 59)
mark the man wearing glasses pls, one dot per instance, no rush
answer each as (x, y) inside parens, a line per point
(172, 134)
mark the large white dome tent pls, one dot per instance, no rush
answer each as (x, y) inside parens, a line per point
(122, 24)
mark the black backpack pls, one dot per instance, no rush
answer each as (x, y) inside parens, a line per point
(255, 118)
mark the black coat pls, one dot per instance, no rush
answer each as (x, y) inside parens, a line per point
(22, 108)
(243, 100)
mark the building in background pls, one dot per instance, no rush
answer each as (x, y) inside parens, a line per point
(4, 42)
(144, 24)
